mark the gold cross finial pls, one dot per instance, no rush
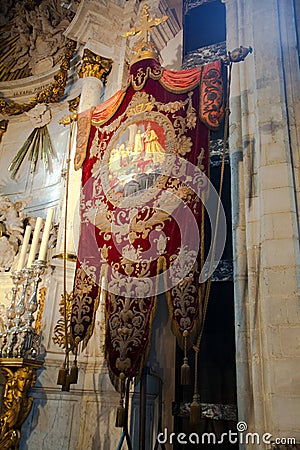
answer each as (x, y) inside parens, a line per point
(143, 30)
(147, 23)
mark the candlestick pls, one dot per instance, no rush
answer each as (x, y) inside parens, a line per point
(46, 233)
(35, 241)
(24, 248)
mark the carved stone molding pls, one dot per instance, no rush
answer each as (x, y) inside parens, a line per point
(95, 66)
(204, 55)
(190, 4)
(20, 377)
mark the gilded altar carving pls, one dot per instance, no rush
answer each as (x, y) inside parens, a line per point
(51, 94)
(20, 378)
(39, 316)
(73, 104)
(59, 337)
(95, 66)
(3, 128)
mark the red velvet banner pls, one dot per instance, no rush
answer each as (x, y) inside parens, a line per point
(144, 156)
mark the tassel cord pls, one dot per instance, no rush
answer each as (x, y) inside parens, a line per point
(72, 125)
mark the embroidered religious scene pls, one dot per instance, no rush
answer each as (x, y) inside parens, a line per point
(136, 159)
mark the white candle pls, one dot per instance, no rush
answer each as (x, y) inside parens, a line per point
(35, 241)
(24, 248)
(46, 233)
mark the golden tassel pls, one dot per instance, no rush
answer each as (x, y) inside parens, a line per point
(195, 412)
(74, 368)
(120, 417)
(185, 368)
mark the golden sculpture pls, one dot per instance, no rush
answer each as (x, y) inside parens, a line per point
(66, 120)
(95, 66)
(73, 104)
(144, 48)
(20, 378)
(39, 316)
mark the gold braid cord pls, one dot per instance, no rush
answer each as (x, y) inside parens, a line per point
(51, 94)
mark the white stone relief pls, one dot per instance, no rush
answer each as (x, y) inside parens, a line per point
(11, 231)
(40, 39)
(12, 226)
(40, 115)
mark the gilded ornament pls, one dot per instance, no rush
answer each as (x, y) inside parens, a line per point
(39, 316)
(3, 128)
(68, 118)
(51, 94)
(95, 66)
(20, 378)
(238, 54)
(73, 104)
(59, 337)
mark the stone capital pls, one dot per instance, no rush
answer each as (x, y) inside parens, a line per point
(94, 65)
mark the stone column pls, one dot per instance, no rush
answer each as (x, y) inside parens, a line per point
(263, 149)
(93, 73)
(72, 419)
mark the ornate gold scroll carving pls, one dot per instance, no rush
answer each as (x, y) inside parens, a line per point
(95, 66)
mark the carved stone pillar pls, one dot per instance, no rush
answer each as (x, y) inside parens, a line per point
(264, 155)
(20, 375)
(94, 71)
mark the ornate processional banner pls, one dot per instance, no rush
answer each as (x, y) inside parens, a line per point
(144, 158)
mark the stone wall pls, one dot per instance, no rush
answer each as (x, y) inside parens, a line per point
(264, 151)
